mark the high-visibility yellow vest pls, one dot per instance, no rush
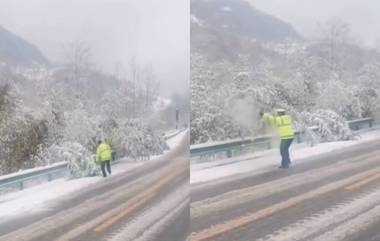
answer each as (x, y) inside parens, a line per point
(283, 125)
(104, 152)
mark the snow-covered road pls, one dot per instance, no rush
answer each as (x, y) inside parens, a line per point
(103, 209)
(265, 161)
(331, 196)
(44, 196)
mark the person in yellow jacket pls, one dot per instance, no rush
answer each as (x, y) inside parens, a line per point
(283, 123)
(104, 156)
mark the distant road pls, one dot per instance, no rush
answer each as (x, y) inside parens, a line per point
(335, 196)
(148, 203)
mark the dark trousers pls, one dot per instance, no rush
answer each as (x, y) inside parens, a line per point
(284, 150)
(103, 164)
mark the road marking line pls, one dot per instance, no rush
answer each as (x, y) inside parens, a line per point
(123, 214)
(74, 233)
(238, 197)
(228, 226)
(364, 182)
(352, 227)
(137, 202)
(318, 223)
(68, 216)
(154, 217)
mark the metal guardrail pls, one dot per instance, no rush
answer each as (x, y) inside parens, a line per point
(356, 125)
(229, 147)
(201, 150)
(19, 179)
(48, 173)
(175, 133)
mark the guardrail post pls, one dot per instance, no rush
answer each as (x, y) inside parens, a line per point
(298, 138)
(269, 145)
(50, 177)
(229, 153)
(21, 185)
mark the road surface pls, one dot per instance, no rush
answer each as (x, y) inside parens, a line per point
(146, 204)
(335, 196)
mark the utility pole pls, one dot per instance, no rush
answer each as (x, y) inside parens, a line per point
(176, 118)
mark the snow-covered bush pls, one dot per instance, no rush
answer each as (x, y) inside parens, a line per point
(330, 126)
(211, 118)
(20, 132)
(79, 160)
(43, 111)
(140, 141)
(81, 127)
(304, 78)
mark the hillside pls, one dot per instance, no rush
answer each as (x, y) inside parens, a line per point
(223, 29)
(14, 50)
(244, 61)
(241, 18)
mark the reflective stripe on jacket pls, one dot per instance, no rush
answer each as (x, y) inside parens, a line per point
(282, 123)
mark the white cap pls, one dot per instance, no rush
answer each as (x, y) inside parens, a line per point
(280, 110)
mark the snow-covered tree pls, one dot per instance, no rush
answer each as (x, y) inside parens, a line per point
(47, 113)
(330, 126)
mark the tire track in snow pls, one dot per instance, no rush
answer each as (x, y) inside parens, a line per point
(68, 216)
(321, 222)
(154, 219)
(352, 226)
(231, 225)
(102, 222)
(238, 197)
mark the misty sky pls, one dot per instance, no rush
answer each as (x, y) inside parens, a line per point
(156, 31)
(362, 15)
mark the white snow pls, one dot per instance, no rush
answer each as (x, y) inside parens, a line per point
(44, 196)
(20, 172)
(207, 144)
(161, 103)
(175, 140)
(195, 20)
(267, 160)
(227, 9)
(170, 134)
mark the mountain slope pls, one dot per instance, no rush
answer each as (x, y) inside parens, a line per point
(241, 18)
(14, 50)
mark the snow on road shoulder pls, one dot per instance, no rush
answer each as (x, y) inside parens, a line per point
(36, 199)
(177, 139)
(267, 160)
(44, 196)
(30, 170)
